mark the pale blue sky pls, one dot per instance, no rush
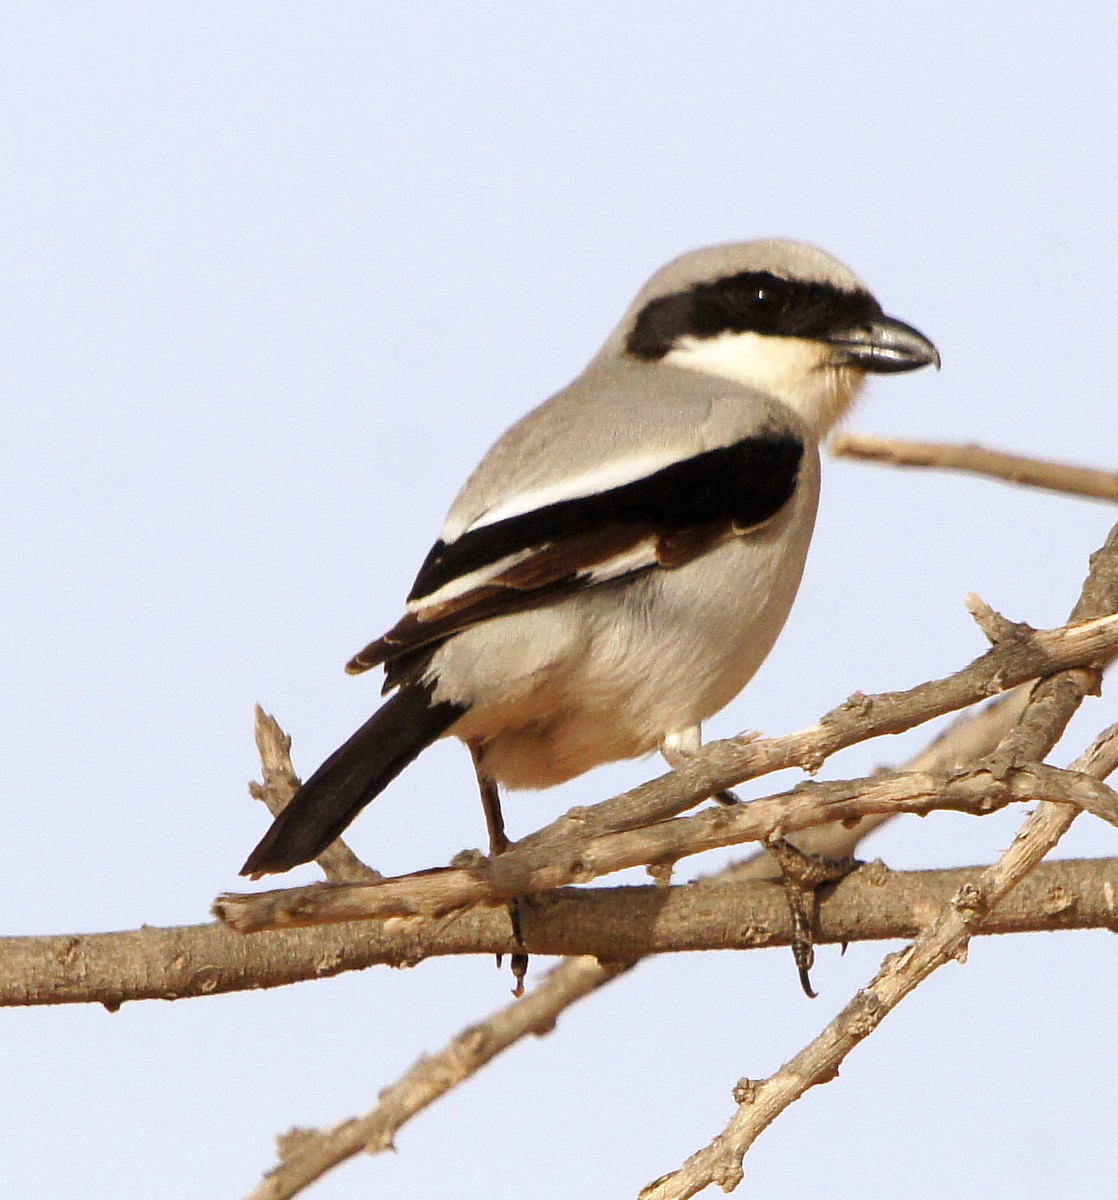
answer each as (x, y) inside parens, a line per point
(275, 276)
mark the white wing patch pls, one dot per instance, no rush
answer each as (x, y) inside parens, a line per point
(588, 483)
(640, 556)
(464, 584)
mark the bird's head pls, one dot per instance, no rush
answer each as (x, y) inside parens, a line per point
(780, 316)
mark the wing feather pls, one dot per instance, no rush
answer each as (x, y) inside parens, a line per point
(661, 521)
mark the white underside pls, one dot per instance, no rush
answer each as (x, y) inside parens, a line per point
(589, 483)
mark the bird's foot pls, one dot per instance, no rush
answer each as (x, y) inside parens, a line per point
(518, 959)
(803, 876)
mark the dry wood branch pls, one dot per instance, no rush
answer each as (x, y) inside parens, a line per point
(560, 853)
(188, 961)
(727, 763)
(1072, 894)
(305, 1155)
(945, 938)
(977, 460)
(609, 923)
(968, 738)
(199, 960)
(432, 893)
(279, 783)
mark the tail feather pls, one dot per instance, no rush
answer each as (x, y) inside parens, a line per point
(355, 774)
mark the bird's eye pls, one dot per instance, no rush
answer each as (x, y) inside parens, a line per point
(767, 297)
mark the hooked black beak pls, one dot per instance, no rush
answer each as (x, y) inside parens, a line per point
(884, 346)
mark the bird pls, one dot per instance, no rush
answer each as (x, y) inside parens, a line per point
(622, 560)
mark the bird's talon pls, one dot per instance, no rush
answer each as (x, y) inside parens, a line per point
(803, 874)
(519, 965)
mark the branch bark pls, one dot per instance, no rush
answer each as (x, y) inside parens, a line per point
(278, 783)
(1067, 893)
(558, 854)
(433, 893)
(945, 938)
(612, 924)
(942, 940)
(977, 460)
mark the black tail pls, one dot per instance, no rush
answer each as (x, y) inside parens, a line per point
(350, 778)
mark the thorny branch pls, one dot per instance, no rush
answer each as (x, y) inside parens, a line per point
(945, 938)
(974, 768)
(610, 923)
(313, 1152)
(588, 842)
(985, 789)
(278, 783)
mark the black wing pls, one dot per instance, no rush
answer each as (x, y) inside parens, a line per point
(663, 519)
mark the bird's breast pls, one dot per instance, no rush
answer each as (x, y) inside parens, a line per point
(607, 673)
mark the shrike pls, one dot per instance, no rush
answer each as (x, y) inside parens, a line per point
(623, 559)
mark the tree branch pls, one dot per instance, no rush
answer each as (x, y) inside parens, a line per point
(610, 923)
(967, 739)
(945, 938)
(305, 1155)
(560, 852)
(977, 460)
(278, 783)
(869, 893)
(433, 893)
(1068, 894)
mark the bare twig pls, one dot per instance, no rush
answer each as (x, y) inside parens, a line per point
(1067, 893)
(558, 854)
(151, 963)
(305, 1155)
(945, 938)
(969, 737)
(725, 764)
(980, 791)
(279, 783)
(868, 892)
(977, 460)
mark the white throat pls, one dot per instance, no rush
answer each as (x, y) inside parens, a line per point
(797, 371)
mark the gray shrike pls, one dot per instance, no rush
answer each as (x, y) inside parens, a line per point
(623, 559)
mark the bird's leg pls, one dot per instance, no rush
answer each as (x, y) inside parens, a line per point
(498, 844)
(677, 748)
(803, 874)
